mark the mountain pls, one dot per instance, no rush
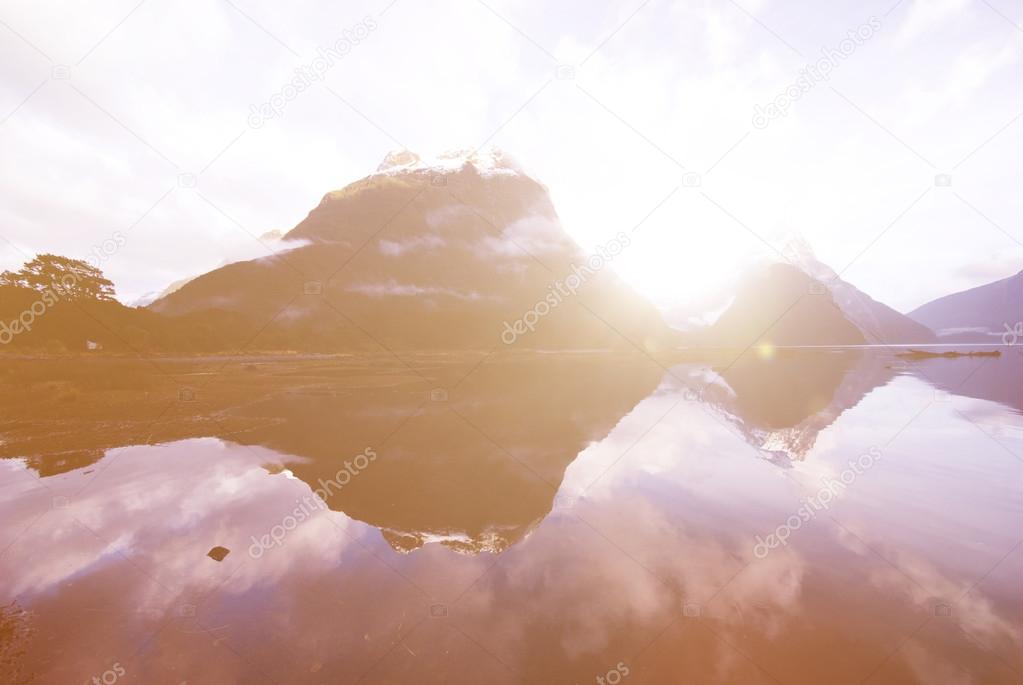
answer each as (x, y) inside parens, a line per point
(464, 251)
(775, 305)
(979, 314)
(804, 302)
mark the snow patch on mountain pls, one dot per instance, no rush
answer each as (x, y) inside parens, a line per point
(488, 162)
(873, 318)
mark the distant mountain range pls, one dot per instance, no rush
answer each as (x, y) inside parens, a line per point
(466, 251)
(981, 314)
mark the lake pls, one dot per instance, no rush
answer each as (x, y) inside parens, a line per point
(779, 516)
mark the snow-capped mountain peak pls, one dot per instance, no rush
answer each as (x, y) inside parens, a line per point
(490, 161)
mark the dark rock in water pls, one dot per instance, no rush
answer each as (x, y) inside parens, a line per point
(218, 553)
(950, 354)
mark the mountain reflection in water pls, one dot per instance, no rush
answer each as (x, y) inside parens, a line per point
(526, 519)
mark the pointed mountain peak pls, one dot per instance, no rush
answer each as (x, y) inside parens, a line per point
(799, 253)
(799, 300)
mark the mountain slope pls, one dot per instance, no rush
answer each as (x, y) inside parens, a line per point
(268, 240)
(980, 313)
(452, 254)
(80, 326)
(879, 323)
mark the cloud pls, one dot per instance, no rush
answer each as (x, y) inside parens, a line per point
(996, 267)
(532, 236)
(396, 248)
(392, 288)
(926, 15)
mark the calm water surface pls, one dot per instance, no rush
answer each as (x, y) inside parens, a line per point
(561, 520)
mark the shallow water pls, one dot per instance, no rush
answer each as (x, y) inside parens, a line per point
(558, 520)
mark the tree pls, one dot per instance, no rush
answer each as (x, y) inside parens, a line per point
(11, 279)
(72, 279)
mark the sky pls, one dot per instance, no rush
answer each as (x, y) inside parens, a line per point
(136, 132)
